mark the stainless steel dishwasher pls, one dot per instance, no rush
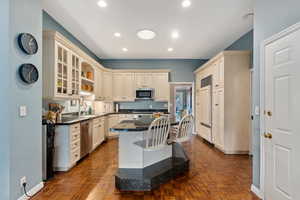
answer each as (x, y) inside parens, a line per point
(86, 139)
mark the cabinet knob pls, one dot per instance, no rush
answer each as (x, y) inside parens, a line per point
(269, 113)
(268, 135)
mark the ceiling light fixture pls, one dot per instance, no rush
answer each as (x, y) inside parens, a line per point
(175, 35)
(124, 49)
(170, 49)
(186, 3)
(102, 4)
(146, 34)
(117, 34)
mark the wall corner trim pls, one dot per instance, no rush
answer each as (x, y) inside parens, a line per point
(256, 191)
(33, 191)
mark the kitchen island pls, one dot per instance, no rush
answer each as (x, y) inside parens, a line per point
(141, 169)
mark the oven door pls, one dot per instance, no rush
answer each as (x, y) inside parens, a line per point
(144, 94)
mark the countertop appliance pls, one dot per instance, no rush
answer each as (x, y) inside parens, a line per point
(86, 139)
(48, 135)
(144, 93)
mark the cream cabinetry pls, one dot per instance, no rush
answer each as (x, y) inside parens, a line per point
(161, 86)
(99, 84)
(227, 104)
(107, 86)
(112, 120)
(61, 70)
(67, 147)
(123, 87)
(143, 80)
(98, 132)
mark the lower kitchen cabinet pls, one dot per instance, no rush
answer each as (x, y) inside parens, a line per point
(98, 132)
(67, 147)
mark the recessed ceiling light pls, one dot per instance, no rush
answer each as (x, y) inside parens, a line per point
(124, 49)
(102, 4)
(146, 34)
(186, 3)
(175, 35)
(170, 49)
(117, 34)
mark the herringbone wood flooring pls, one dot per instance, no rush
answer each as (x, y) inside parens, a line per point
(212, 176)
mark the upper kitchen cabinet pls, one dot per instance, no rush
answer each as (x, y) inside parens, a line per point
(98, 84)
(123, 87)
(161, 86)
(60, 69)
(143, 80)
(107, 85)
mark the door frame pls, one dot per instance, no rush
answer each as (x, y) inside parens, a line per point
(266, 42)
(193, 93)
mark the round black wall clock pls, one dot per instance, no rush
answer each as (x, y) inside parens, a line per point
(28, 43)
(29, 73)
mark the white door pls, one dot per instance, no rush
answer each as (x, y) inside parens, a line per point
(282, 121)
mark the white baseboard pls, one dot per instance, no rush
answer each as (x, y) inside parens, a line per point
(256, 191)
(33, 191)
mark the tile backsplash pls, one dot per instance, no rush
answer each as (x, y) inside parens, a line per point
(140, 105)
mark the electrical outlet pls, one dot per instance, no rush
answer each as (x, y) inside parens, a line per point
(22, 181)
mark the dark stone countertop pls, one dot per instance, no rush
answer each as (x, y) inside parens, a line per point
(74, 120)
(136, 125)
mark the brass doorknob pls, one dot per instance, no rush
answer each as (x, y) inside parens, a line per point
(268, 135)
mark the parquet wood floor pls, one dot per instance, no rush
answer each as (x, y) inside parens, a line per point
(212, 176)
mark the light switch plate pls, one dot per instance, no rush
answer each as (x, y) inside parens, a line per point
(256, 111)
(23, 111)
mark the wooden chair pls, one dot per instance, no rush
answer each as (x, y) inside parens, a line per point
(185, 128)
(157, 134)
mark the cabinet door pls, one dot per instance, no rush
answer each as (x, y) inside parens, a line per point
(62, 87)
(75, 75)
(162, 86)
(143, 80)
(128, 87)
(107, 86)
(218, 74)
(98, 84)
(218, 119)
(118, 86)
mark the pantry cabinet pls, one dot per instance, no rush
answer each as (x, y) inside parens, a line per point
(223, 101)
(123, 87)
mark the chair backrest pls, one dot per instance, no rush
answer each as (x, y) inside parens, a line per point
(158, 132)
(185, 128)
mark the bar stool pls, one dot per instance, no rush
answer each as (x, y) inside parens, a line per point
(184, 131)
(157, 134)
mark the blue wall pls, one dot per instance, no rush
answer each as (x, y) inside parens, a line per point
(243, 43)
(49, 23)
(5, 104)
(182, 69)
(271, 17)
(20, 136)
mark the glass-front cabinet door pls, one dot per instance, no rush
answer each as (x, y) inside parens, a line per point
(62, 72)
(75, 75)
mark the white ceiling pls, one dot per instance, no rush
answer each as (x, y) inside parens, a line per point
(205, 28)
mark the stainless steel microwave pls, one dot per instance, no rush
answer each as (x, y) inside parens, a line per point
(144, 93)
